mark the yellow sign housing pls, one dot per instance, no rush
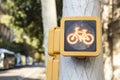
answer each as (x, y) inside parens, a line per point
(80, 36)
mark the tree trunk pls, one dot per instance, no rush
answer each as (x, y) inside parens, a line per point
(49, 20)
(107, 40)
(111, 29)
(89, 68)
(114, 37)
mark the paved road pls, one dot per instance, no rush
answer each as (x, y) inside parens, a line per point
(24, 73)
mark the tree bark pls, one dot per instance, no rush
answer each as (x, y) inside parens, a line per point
(89, 68)
(111, 29)
(49, 20)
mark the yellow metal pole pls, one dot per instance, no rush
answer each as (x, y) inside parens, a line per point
(56, 63)
(49, 69)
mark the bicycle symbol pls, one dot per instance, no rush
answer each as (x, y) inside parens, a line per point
(81, 35)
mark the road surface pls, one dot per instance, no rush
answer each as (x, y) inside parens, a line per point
(24, 73)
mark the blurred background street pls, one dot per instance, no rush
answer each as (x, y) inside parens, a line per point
(32, 72)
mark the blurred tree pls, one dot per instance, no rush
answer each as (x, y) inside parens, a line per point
(111, 36)
(26, 15)
(21, 48)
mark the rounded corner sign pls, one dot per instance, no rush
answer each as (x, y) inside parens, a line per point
(80, 36)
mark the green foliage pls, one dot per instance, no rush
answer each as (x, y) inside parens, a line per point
(26, 15)
(22, 48)
(25, 19)
(4, 43)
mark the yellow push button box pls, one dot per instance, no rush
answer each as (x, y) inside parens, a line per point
(54, 41)
(57, 40)
(51, 42)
